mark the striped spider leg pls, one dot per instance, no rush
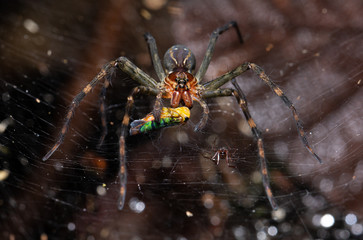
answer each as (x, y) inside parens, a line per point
(212, 90)
(147, 86)
(242, 101)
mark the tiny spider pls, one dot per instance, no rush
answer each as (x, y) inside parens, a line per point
(222, 153)
(178, 83)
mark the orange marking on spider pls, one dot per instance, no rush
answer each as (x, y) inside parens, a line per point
(269, 192)
(278, 91)
(122, 190)
(251, 123)
(126, 120)
(122, 169)
(87, 89)
(296, 117)
(302, 133)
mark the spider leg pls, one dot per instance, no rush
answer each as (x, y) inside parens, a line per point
(226, 152)
(242, 101)
(106, 84)
(158, 106)
(216, 155)
(210, 49)
(204, 119)
(75, 102)
(218, 82)
(262, 75)
(122, 141)
(155, 56)
(127, 67)
(134, 72)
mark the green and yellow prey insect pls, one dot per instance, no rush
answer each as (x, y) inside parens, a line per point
(168, 117)
(178, 82)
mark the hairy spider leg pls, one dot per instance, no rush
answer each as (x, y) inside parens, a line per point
(210, 49)
(122, 140)
(135, 73)
(106, 84)
(75, 102)
(127, 67)
(261, 73)
(205, 64)
(149, 86)
(218, 82)
(159, 71)
(158, 105)
(241, 99)
(204, 119)
(155, 56)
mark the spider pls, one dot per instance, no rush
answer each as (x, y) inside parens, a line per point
(177, 82)
(222, 153)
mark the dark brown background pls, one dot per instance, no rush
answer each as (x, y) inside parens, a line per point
(312, 49)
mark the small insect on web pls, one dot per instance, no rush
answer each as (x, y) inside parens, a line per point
(177, 82)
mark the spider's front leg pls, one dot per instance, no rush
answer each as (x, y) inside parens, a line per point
(155, 56)
(262, 75)
(210, 49)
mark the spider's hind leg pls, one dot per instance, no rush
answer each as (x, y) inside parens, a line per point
(262, 75)
(242, 101)
(218, 82)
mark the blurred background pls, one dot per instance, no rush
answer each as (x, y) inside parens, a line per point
(51, 49)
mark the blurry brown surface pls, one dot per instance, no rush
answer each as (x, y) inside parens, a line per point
(312, 50)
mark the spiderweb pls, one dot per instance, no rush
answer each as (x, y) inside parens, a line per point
(51, 50)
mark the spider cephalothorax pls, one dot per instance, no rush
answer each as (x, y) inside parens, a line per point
(178, 82)
(181, 88)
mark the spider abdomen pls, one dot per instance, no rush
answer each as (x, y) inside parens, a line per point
(179, 58)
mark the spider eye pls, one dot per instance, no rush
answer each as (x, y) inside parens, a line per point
(179, 58)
